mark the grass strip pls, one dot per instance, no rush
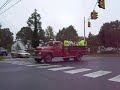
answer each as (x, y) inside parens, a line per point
(1, 58)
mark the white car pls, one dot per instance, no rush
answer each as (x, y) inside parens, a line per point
(20, 54)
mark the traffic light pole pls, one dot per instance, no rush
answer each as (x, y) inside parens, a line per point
(84, 28)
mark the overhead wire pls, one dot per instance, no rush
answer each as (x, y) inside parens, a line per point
(5, 4)
(95, 5)
(10, 7)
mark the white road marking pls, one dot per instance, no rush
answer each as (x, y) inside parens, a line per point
(32, 65)
(61, 68)
(20, 64)
(49, 66)
(77, 70)
(43, 64)
(97, 74)
(115, 79)
(38, 65)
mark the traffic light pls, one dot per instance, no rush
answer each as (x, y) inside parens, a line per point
(101, 4)
(94, 15)
(89, 24)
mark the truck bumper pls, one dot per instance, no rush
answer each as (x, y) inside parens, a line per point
(37, 57)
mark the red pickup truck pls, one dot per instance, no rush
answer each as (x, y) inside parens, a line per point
(56, 49)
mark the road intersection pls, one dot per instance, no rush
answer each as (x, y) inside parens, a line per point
(99, 71)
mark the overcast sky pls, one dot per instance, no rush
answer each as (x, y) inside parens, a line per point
(59, 14)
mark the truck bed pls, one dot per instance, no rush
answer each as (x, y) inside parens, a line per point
(73, 50)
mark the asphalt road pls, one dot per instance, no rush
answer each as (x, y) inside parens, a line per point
(89, 74)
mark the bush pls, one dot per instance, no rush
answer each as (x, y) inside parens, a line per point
(93, 50)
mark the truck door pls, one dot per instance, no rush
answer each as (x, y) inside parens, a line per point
(57, 49)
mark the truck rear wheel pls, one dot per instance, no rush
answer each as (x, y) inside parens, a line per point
(78, 57)
(48, 58)
(38, 60)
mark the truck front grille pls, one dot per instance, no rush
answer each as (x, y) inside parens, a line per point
(36, 53)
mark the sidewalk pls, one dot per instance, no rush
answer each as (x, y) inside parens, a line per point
(103, 55)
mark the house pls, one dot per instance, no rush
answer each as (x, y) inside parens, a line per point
(18, 45)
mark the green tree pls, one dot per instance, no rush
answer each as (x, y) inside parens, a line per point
(93, 40)
(109, 34)
(90, 35)
(68, 33)
(35, 23)
(60, 35)
(24, 34)
(41, 35)
(5, 34)
(49, 33)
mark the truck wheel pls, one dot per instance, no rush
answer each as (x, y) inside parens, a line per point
(6, 54)
(48, 58)
(78, 57)
(66, 59)
(38, 60)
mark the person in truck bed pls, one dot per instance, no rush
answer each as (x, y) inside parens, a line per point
(66, 43)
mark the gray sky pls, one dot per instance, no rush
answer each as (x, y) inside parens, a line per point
(59, 14)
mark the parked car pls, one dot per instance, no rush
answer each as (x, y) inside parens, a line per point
(3, 51)
(108, 50)
(20, 54)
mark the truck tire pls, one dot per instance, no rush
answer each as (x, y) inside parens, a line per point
(66, 59)
(78, 57)
(38, 60)
(47, 58)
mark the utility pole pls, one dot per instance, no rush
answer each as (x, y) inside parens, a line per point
(84, 28)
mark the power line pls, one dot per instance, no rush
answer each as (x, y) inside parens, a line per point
(10, 7)
(95, 5)
(5, 4)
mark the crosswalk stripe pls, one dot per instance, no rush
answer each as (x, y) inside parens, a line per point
(49, 66)
(32, 65)
(97, 74)
(21, 63)
(43, 64)
(61, 68)
(77, 70)
(115, 79)
(38, 65)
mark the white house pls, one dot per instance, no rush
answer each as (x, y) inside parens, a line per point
(18, 45)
